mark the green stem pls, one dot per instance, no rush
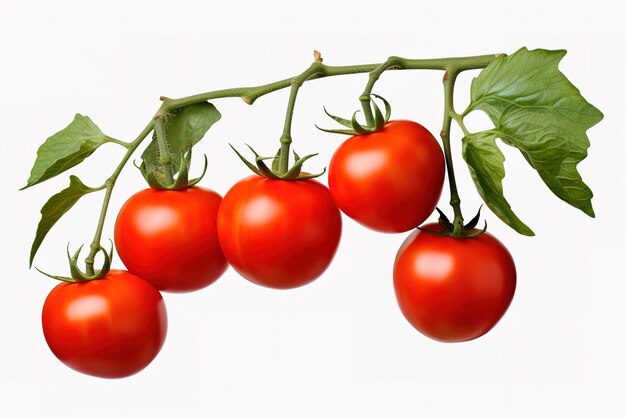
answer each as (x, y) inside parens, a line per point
(455, 201)
(285, 140)
(366, 97)
(251, 94)
(96, 246)
(118, 142)
(458, 118)
(165, 159)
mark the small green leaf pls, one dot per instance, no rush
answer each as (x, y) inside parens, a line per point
(184, 128)
(486, 165)
(56, 207)
(536, 109)
(66, 149)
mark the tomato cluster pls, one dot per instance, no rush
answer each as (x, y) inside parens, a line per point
(282, 234)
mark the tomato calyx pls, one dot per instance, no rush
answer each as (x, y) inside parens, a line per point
(77, 275)
(468, 230)
(260, 167)
(354, 128)
(156, 179)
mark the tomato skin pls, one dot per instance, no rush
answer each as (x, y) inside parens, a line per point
(279, 234)
(453, 290)
(390, 180)
(112, 327)
(169, 238)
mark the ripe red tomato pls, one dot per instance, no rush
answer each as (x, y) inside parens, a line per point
(390, 180)
(110, 327)
(451, 289)
(279, 234)
(170, 238)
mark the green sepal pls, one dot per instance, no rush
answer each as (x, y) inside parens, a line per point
(338, 131)
(80, 276)
(260, 163)
(57, 277)
(344, 122)
(56, 207)
(444, 221)
(379, 119)
(245, 161)
(472, 223)
(468, 233)
(358, 129)
(448, 227)
(435, 232)
(387, 108)
(196, 180)
(276, 161)
(156, 179)
(354, 127)
(76, 274)
(260, 167)
(296, 169)
(310, 176)
(73, 260)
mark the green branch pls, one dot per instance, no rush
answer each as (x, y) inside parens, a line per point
(455, 201)
(96, 246)
(316, 71)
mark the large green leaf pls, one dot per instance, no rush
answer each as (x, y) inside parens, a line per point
(536, 109)
(56, 207)
(66, 149)
(184, 128)
(486, 165)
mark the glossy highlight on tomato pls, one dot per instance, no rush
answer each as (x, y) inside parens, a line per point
(453, 289)
(390, 180)
(279, 234)
(111, 327)
(170, 238)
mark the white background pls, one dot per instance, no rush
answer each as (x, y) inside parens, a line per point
(340, 346)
